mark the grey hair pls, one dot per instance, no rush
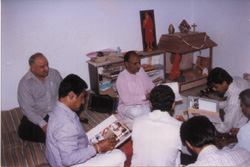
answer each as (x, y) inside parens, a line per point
(33, 58)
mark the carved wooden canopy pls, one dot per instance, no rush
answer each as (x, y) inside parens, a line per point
(185, 43)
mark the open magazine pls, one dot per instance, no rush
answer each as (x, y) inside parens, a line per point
(109, 128)
(206, 107)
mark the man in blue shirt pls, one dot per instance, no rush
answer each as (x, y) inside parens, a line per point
(66, 142)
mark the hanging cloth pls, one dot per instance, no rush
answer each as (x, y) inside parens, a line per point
(175, 71)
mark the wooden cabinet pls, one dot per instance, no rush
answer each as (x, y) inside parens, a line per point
(95, 69)
(187, 43)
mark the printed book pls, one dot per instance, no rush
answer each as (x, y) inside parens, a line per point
(203, 106)
(109, 128)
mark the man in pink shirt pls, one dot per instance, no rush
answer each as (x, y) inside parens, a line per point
(133, 86)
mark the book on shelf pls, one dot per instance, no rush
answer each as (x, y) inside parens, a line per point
(158, 81)
(147, 67)
(109, 128)
(111, 77)
(106, 85)
(110, 73)
(114, 59)
(99, 59)
(116, 65)
(203, 106)
(155, 73)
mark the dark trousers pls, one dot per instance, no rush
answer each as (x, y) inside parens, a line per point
(31, 132)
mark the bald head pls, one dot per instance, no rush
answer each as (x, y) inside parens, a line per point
(39, 66)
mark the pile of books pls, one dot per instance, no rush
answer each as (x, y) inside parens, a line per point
(99, 59)
(155, 73)
(105, 85)
(113, 70)
(103, 56)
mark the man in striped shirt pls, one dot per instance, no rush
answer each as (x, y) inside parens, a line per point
(198, 133)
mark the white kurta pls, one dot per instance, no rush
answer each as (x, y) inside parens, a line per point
(156, 140)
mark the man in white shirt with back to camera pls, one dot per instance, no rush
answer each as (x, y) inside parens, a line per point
(156, 135)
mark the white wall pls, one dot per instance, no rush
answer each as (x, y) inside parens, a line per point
(66, 30)
(227, 22)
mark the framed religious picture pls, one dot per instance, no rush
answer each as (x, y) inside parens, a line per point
(148, 30)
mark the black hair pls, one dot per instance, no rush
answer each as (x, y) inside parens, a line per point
(128, 54)
(217, 76)
(73, 83)
(33, 58)
(244, 96)
(162, 98)
(198, 131)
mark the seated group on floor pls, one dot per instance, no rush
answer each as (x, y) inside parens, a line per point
(49, 105)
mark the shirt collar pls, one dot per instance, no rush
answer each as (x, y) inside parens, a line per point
(132, 75)
(160, 114)
(30, 75)
(66, 109)
(230, 89)
(207, 150)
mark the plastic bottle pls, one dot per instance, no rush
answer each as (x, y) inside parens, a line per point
(119, 52)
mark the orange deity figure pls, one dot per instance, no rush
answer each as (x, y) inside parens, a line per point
(148, 26)
(175, 71)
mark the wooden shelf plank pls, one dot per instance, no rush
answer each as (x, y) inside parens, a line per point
(190, 81)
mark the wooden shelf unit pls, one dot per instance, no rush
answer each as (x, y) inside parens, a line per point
(182, 44)
(94, 75)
